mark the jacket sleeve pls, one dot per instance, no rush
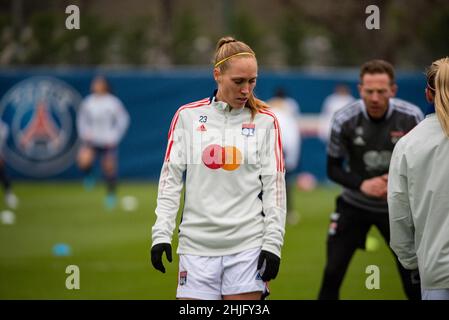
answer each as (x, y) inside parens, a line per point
(122, 117)
(273, 190)
(4, 131)
(338, 174)
(402, 229)
(170, 183)
(83, 122)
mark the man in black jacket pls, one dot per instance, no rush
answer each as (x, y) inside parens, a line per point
(363, 135)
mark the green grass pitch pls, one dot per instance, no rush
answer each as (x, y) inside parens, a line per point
(111, 249)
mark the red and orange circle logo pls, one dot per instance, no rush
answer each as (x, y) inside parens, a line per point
(228, 158)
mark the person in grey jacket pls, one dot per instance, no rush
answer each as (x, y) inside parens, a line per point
(11, 199)
(418, 191)
(102, 122)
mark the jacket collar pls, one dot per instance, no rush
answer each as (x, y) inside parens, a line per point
(222, 106)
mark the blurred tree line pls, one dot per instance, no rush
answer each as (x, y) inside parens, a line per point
(163, 33)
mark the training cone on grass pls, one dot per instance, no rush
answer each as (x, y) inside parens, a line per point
(62, 250)
(372, 244)
(129, 203)
(7, 217)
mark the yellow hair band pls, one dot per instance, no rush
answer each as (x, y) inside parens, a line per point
(231, 56)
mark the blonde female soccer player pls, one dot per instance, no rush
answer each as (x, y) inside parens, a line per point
(418, 191)
(233, 220)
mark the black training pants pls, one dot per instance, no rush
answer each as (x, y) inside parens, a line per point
(347, 232)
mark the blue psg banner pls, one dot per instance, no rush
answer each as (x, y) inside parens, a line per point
(40, 113)
(39, 107)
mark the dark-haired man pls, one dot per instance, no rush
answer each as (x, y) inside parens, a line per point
(363, 135)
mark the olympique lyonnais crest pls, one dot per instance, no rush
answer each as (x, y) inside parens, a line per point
(182, 278)
(41, 115)
(248, 129)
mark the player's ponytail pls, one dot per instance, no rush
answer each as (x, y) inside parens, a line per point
(255, 105)
(228, 47)
(438, 83)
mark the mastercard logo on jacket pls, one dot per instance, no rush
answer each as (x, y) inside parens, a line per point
(228, 158)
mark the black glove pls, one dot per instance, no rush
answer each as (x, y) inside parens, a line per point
(156, 255)
(268, 265)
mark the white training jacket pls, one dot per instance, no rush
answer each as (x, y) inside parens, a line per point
(102, 120)
(418, 199)
(228, 161)
(4, 131)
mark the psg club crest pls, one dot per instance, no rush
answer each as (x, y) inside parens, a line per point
(41, 115)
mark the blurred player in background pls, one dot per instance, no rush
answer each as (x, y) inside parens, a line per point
(418, 191)
(287, 112)
(102, 121)
(11, 199)
(334, 102)
(233, 221)
(362, 139)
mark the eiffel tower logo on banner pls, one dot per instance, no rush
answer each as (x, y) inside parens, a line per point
(41, 128)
